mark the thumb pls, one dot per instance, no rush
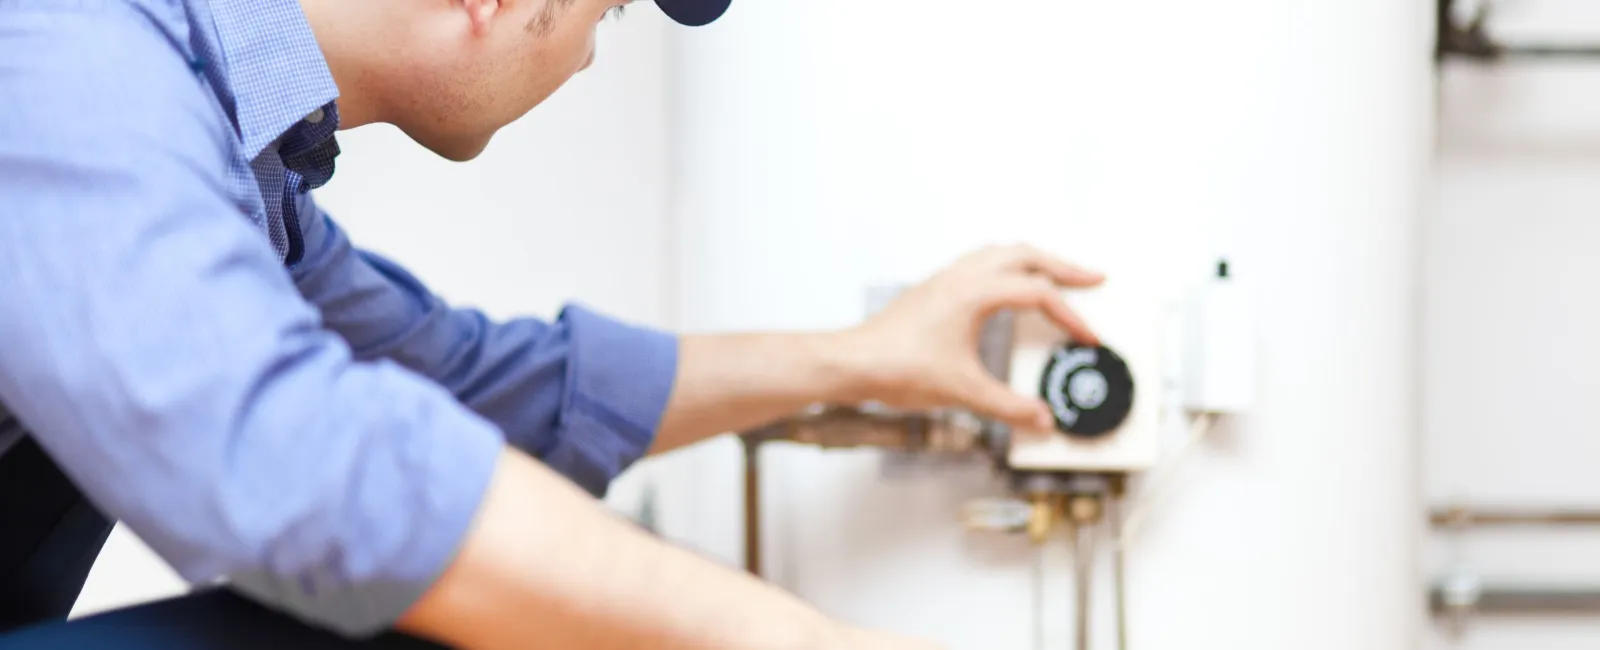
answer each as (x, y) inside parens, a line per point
(992, 398)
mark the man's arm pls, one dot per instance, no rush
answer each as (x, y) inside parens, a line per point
(160, 353)
(578, 577)
(589, 395)
(734, 382)
(583, 393)
(155, 347)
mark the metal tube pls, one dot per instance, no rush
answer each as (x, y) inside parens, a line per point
(834, 427)
(1038, 596)
(1471, 517)
(1083, 554)
(752, 506)
(1118, 567)
(1472, 41)
(1490, 52)
(1531, 51)
(1517, 600)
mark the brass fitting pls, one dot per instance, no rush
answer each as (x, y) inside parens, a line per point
(1043, 516)
(1084, 509)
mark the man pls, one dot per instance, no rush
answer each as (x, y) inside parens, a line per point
(189, 346)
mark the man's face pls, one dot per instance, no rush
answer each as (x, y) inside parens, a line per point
(497, 69)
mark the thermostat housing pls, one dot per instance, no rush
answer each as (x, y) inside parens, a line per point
(1105, 397)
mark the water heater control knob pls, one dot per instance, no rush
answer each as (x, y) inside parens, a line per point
(1089, 389)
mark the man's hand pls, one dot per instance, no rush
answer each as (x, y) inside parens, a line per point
(921, 350)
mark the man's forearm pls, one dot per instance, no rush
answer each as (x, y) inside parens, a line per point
(737, 381)
(547, 566)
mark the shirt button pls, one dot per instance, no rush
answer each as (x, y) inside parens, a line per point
(315, 117)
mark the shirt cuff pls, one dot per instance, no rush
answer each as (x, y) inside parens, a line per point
(448, 491)
(620, 377)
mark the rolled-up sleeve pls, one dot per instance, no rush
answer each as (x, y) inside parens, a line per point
(583, 392)
(155, 346)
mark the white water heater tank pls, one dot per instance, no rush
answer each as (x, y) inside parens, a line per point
(825, 147)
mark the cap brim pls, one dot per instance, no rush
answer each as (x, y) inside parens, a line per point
(693, 13)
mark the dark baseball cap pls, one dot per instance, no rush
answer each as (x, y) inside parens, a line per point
(693, 13)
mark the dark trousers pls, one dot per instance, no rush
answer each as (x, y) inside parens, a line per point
(50, 536)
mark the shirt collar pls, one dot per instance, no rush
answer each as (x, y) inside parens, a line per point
(274, 67)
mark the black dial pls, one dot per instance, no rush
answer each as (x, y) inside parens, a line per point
(1089, 389)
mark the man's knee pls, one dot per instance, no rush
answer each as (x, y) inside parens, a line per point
(50, 536)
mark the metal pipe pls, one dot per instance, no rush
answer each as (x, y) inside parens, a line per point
(1476, 517)
(1495, 53)
(865, 427)
(1472, 40)
(1118, 567)
(1515, 600)
(858, 427)
(1083, 554)
(752, 506)
(850, 428)
(1084, 511)
(1548, 52)
(1038, 596)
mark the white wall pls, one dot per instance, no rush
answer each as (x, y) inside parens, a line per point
(1512, 312)
(828, 145)
(568, 203)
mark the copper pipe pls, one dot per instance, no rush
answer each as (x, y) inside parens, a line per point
(1469, 517)
(856, 428)
(752, 506)
(847, 428)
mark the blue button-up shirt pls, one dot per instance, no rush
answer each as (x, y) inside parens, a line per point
(211, 360)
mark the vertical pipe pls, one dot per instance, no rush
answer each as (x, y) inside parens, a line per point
(1039, 577)
(1444, 28)
(752, 506)
(1119, 558)
(1083, 572)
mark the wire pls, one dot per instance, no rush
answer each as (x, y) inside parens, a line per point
(1199, 427)
(1126, 514)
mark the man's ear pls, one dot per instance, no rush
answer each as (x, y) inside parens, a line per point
(481, 13)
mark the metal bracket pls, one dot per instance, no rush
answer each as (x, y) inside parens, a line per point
(1471, 40)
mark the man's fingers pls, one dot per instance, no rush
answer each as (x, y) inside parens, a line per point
(1065, 274)
(1033, 292)
(991, 398)
(1032, 260)
(1055, 307)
